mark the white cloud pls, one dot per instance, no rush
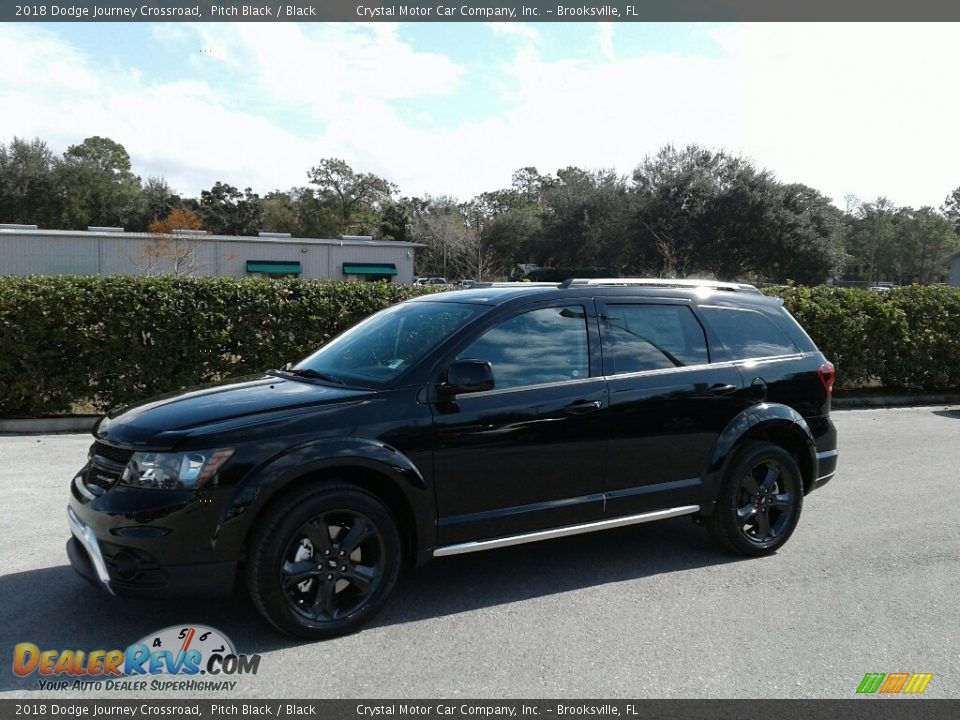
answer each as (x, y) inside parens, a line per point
(866, 109)
(323, 66)
(171, 129)
(862, 109)
(520, 31)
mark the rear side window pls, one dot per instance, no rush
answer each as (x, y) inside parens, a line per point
(652, 337)
(537, 347)
(747, 333)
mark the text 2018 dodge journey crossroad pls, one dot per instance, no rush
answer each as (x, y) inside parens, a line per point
(459, 422)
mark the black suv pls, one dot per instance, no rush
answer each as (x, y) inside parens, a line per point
(458, 422)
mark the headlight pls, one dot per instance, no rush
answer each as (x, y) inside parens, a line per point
(174, 471)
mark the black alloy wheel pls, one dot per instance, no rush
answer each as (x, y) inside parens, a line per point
(333, 565)
(760, 500)
(323, 560)
(764, 502)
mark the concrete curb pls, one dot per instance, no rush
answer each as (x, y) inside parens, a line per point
(894, 401)
(48, 426)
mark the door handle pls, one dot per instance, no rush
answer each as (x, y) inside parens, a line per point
(722, 389)
(579, 407)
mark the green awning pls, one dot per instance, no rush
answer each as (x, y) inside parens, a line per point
(369, 269)
(274, 267)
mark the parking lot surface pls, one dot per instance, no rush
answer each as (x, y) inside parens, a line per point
(870, 582)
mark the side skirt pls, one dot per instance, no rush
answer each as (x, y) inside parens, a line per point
(477, 546)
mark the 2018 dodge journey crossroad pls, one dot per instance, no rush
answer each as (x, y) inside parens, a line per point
(459, 422)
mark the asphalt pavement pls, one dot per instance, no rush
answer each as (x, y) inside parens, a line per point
(870, 582)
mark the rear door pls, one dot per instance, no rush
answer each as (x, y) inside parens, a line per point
(668, 403)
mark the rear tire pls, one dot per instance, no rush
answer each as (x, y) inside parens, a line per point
(323, 561)
(760, 500)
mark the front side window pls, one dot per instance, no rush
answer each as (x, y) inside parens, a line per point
(387, 344)
(652, 337)
(747, 333)
(542, 346)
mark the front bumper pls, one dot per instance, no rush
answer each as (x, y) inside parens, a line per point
(198, 580)
(150, 544)
(84, 552)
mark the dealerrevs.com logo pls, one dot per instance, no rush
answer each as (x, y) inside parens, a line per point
(196, 656)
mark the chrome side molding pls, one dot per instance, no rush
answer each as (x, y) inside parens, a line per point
(538, 535)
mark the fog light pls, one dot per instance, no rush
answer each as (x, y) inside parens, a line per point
(126, 565)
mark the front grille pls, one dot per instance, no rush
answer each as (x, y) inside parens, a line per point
(120, 456)
(106, 466)
(102, 477)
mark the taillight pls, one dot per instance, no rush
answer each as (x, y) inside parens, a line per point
(827, 375)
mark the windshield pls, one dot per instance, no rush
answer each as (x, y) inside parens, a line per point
(381, 348)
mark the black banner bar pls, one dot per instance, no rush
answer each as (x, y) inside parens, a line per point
(854, 709)
(532, 11)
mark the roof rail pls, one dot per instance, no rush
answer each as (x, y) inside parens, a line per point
(497, 284)
(660, 282)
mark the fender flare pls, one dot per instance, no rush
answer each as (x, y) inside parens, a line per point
(277, 474)
(748, 424)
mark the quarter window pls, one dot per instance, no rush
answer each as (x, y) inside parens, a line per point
(747, 333)
(542, 346)
(652, 337)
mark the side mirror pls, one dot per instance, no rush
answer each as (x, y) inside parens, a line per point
(466, 376)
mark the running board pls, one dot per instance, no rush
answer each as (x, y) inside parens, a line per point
(538, 535)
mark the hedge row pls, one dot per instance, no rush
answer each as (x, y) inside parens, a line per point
(904, 339)
(115, 340)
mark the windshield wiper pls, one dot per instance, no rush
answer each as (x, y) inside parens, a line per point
(313, 374)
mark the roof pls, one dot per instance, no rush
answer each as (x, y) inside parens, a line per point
(272, 240)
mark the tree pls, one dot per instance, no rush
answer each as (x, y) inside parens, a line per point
(438, 224)
(514, 235)
(697, 210)
(472, 256)
(97, 186)
(951, 209)
(395, 222)
(355, 199)
(172, 251)
(28, 185)
(280, 213)
(157, 201)
(923, 237)
(872, 242)
(225, 210)
(586, 221)
(805, 238)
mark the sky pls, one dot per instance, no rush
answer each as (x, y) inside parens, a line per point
(863, 110)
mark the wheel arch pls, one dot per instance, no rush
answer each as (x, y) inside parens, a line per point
(775, 423)
(374, 467)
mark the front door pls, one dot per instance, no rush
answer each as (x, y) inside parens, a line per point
(530, 453)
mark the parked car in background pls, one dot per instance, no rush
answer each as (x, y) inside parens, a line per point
(459, 422)
(466, 284)
(431, 281)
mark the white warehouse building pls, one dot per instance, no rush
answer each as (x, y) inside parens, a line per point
(953, 262)
(27, 250)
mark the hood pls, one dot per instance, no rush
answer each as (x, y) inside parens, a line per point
(159, 422)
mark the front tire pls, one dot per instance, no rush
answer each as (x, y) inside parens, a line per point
(760, 500)
(323, 561)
